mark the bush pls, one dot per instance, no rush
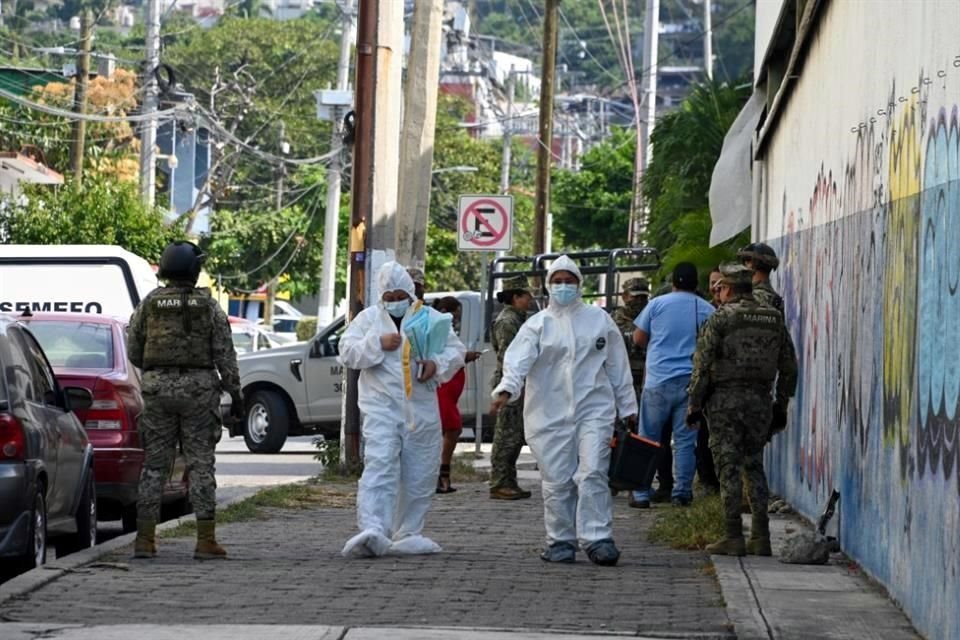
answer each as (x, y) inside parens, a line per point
(306, 328)
(328, 454)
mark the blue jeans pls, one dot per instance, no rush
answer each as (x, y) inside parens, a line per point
(666, 404)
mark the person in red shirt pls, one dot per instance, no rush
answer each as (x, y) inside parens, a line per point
(448, 397)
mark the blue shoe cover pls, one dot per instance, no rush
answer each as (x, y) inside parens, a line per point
(603, 553)
(559, 552)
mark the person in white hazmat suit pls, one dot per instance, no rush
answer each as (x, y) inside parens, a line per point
(578, 381)
(401, 419)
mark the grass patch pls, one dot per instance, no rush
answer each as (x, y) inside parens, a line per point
(287, 496)
(462, 469)
(691, 528)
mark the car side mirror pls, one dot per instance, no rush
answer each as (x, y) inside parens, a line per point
(77, 399)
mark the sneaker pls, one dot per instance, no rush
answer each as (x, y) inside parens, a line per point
(563, 552)
(603, 553)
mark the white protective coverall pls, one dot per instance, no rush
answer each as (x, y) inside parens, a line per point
(577, 382)
(401, 426)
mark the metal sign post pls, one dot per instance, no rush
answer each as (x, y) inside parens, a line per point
(478, 364)
(485, 224)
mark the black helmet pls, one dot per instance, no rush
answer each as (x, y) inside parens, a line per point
(181, 261)
(761, 254)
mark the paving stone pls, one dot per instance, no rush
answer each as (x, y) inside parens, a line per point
(288, 570)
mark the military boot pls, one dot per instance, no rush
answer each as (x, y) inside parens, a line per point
(207, 547)
(733, 544)
(145, 546)
(759, 542)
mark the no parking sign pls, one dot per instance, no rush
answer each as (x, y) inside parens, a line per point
(485, 223)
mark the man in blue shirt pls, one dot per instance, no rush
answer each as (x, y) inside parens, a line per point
(668, 328)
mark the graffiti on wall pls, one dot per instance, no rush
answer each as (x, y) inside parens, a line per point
(871, 283)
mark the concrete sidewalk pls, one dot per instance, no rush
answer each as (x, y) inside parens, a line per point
(286, 573)
(769, 599)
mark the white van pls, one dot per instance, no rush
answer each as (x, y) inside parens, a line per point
(101, 279)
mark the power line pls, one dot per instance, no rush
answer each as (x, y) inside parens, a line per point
(90, 117)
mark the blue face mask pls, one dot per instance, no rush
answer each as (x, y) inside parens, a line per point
(564, 294)
(398, 308)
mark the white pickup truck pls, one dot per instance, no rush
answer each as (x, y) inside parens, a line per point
(297, 389)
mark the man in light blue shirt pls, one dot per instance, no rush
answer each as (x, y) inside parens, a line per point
(668, 328)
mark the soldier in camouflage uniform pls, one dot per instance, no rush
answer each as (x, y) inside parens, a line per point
(763, 260)
(742, 350)
(181, 339)
(508, 433)
(636, 294)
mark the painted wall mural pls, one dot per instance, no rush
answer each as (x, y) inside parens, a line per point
(871, 283)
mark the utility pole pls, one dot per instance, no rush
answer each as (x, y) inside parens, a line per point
(80, 97)
(278, 206)
(548, 74)
(419, 128)
(375, 171)
(328, 280)
(708, 39)
(151, 99)
(646, 117)
(507, 156)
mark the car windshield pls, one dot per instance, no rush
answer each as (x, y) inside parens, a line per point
(242, 342)
(76, 345)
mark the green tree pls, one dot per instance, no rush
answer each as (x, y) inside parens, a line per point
(105, 211)
(249, 247)
(592, 206)
(686, 146)
(447, 268)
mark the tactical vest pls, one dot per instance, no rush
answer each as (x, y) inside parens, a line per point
(179, 330)
(750, 348)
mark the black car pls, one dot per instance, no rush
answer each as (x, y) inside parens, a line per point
(46, 461)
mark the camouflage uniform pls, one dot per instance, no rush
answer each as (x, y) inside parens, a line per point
(181, 355)
(763, 293)
(742, 349)
(508, 434)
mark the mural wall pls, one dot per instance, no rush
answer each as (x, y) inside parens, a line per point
(863, 205)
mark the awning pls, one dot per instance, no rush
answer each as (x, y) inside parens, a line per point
(731, 186)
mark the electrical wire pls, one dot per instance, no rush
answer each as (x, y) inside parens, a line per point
(165, 114)
(293, 233)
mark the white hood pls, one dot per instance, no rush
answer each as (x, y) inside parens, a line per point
(564, 263)
(394, 277)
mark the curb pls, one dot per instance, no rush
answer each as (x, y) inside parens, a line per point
(36, 578)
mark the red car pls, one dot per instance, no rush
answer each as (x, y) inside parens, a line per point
(89, 351)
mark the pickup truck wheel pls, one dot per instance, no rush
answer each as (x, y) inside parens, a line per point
(267, 422)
